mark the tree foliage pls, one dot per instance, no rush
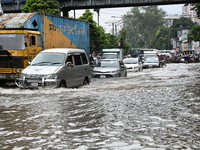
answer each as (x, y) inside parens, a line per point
(197, 9)
(161, 39)
(164, 34)
(195, 31)
(141, 24)
(96, 33)
(183, 22)
(178, 24)
(110, 41)
(46, 6)
(195, 34)
(98, 38)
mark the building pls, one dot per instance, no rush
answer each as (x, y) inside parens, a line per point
(186, 12)
(169, 19)
(186, 9)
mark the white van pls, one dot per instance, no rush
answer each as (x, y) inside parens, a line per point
(57, 67)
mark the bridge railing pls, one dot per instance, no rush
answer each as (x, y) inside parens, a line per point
(66, 5)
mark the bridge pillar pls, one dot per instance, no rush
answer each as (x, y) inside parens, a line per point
(65, 12)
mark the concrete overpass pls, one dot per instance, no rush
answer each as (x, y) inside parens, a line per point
(67, 5)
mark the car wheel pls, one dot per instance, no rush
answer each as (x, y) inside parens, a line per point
(86, 81)
(63, 84)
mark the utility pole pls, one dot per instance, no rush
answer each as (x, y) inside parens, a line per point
(97, 10)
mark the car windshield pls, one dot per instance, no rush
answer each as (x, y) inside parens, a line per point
(50, 59)
(108, 64)
(151, 60)
(12, 41)
(130, 61)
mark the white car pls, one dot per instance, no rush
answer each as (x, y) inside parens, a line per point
(133, 64)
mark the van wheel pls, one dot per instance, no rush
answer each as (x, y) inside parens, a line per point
(63, 84)
(86, 81)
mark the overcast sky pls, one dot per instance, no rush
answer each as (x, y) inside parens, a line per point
(107, 14)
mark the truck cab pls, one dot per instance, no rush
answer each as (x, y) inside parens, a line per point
(114, 53)
(17, 48)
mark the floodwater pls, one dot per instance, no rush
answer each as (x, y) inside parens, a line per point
(157, 109)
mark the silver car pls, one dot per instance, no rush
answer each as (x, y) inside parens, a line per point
(58, 67)
(107, 68)
(151, 63)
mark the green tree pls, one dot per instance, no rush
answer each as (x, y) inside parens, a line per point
(99, 39)
(183, 22)
(194, 34)
(163, 36)
(141, 24)
(160, 41)
(46, 6)
(97, 35)
(110, 41)
(123, 43)
(195, 31)
(197, 9)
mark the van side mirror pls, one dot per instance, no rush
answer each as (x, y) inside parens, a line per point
(69, 64)
(29, 63)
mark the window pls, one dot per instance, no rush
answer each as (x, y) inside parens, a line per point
(12, 41)
(32, 40)
(84, 58)
(77, 59)
(69, 58)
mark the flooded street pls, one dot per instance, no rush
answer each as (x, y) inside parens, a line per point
(153, 109)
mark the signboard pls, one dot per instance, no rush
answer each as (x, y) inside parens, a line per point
(187, 47)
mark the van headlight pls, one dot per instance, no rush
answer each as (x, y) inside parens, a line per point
(52, 76)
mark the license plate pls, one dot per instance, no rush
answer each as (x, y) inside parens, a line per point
(103, 76)
(34, 84)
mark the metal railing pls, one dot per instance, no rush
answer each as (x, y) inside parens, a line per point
(67, 5)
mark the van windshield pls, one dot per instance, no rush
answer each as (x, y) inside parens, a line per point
(49, 59)
(12, 41)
